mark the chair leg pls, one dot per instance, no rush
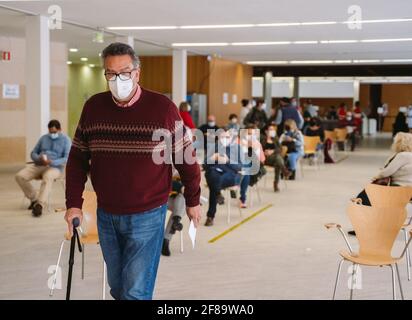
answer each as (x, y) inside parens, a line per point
(399, 281)
(57, 268)
(393, 282)
(352, 283)
(228, 205)
(82, 261)
(104, 281)
(408, 266)
(337, 278)
(181, 242)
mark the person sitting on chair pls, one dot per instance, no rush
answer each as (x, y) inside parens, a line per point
(176, 204)
(293, 139)
(49, 157)
(273, 153)
(397, 170)
(222, 169)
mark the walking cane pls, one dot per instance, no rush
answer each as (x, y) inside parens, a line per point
(76, 223)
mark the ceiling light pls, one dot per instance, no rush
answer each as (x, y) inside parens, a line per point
(218, 26)
(338, 41)
(311, 61)
(280, 24)
(92, 65)
(144, 28)
(305, 42)
(73, 50)
(69, 62)
(397, 60)
(379, 21)
(264, 43)
(201, 44)
(387, 40)
(317, 23)
(366, 61)
(343, 61)
(84, 59)
(266, 62)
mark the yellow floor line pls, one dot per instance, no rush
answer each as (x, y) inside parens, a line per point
(240, 223)
(342, 159)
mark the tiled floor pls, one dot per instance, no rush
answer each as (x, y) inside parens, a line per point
(282, 253)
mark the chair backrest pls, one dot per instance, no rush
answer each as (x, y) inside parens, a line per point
(89, 209)
(376, 227)
(388, 196)
(311, 144)
(341, 134)
(330, 135)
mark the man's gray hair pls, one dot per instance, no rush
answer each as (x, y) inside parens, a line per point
(120, 49)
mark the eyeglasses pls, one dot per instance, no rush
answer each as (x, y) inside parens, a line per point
(112, 76)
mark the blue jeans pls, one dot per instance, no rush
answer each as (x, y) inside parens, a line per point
(244, 184)
(293, 158)
(217, 182)
(131, 246)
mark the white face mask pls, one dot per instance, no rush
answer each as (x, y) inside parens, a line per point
(54, 135)
(234, 120)
(211, 123)
(272, 134)
(263, 106)
(120, 89)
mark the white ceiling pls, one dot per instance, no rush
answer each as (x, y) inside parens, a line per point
(103, 14)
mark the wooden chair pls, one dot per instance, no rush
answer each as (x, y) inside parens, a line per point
(329, 134)
(341, 136)
(310, 147)
(390, 196)
(88, 235)
(376, 230)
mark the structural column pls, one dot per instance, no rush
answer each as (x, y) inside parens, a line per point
(267, 91)
(356, 90)
(37, 80)
(179, 78)
(296, 89)
(128, 40)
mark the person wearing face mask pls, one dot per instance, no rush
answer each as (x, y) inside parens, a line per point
(273, 153)
(209, 130)
(49, 157)
(233, 123)
(223, 167)
(117, 141)
(184, 111)
(293, 139)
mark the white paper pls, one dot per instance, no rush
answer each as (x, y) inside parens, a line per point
(192, 233)
(11, 91)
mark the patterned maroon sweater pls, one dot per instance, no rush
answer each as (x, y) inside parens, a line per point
(115, 145)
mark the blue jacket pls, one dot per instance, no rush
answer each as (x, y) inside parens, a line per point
(233, 152)
(57, 150)
(290, 112)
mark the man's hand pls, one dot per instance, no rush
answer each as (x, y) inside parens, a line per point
(195, 214)
(70, 215)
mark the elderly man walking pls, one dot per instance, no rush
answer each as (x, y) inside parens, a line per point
(114, 142)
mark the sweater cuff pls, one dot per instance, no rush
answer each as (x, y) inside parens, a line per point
(192, 200)
(71, 203)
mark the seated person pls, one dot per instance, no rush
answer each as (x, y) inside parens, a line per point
(222, 169)
(314, 129)
(49, 157)
(293, 139)
(233, 123)
(273, 153)
(398, 168)
(208, 129)
(176, 204)
(332, 114)
(252, 149)
(351, 127)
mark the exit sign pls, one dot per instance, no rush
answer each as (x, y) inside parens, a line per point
(5, 55)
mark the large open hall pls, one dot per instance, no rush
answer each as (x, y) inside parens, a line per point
(184, 152)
